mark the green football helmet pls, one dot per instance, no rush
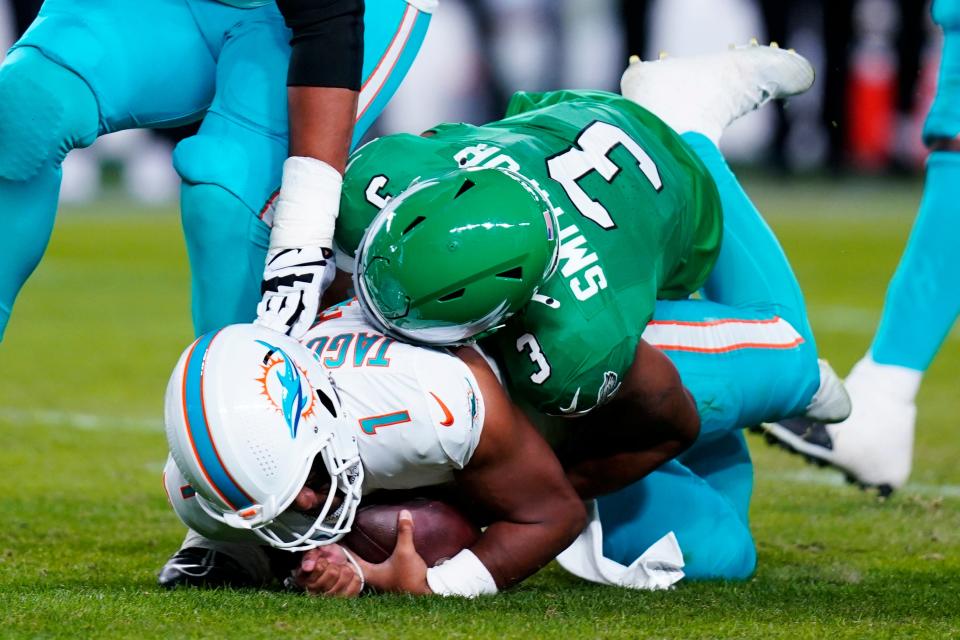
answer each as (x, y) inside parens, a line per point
(453, 257)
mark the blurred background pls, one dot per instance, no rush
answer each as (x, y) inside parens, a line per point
(876, 62)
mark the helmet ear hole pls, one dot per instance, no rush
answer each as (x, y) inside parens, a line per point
(512, 274)
(327, 402)
(414, 223)
(466, 186)
(452, 296)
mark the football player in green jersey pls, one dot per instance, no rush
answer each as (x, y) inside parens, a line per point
(571, 237)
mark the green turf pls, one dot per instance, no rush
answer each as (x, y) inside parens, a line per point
(86, 526)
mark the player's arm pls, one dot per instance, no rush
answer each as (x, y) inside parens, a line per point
(514, 477)
(326, 66)
(519, 480)
(652, 420)
(326, 63)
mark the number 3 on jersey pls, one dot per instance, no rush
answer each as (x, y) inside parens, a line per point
(595, 144)
(529, 341)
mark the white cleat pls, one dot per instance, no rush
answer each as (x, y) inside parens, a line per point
(874, 446)
(706, 93)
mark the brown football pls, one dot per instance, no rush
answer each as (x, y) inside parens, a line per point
(440, 531)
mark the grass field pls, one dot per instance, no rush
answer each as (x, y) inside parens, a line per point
(85, 525)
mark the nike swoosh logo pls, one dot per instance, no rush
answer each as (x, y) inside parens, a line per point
(573, 405)
(447, 416)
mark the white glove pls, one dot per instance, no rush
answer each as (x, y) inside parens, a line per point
(293, 282)
(300, 266)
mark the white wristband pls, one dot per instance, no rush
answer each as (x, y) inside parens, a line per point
(308, 205)
(462, 575)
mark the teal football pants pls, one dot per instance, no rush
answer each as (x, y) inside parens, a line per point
(90, 67)
(745, 350)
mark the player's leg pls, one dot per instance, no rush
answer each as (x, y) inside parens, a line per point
(233, 165)
(923, 301)
(699, 97)
(726, 466)
(75, 74)
(45, 110)
(709, 524)
(752, 271)
(875, 445)
(758, 328)
(743, 366)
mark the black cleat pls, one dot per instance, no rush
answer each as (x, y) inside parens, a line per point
(801, 436)
(206, 568)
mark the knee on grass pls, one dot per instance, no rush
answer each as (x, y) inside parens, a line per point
(727, 553)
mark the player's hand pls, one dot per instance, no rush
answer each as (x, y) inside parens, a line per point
(326, 571)
(404, 571)
(293, 282)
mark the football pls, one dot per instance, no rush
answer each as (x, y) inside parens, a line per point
(440, 531)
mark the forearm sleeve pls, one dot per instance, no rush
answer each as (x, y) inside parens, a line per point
(327, 43)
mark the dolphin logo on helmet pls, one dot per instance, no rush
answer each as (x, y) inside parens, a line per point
(246, 458)
(292, 401)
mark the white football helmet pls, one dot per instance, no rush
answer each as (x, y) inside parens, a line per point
(248, 410)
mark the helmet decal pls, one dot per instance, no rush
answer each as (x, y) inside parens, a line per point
(294, 404)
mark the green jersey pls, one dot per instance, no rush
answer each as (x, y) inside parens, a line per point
(638, 219)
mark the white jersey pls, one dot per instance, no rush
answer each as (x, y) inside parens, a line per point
(417, 415)
(416, 412)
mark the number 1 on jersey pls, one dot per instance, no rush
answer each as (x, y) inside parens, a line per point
(596, 142)
(370, 424)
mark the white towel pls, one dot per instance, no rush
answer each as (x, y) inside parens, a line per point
(658, 567)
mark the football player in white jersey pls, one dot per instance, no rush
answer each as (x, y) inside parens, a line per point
(251, 414)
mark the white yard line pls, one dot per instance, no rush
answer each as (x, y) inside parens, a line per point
(85, 421)
(833, 478)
